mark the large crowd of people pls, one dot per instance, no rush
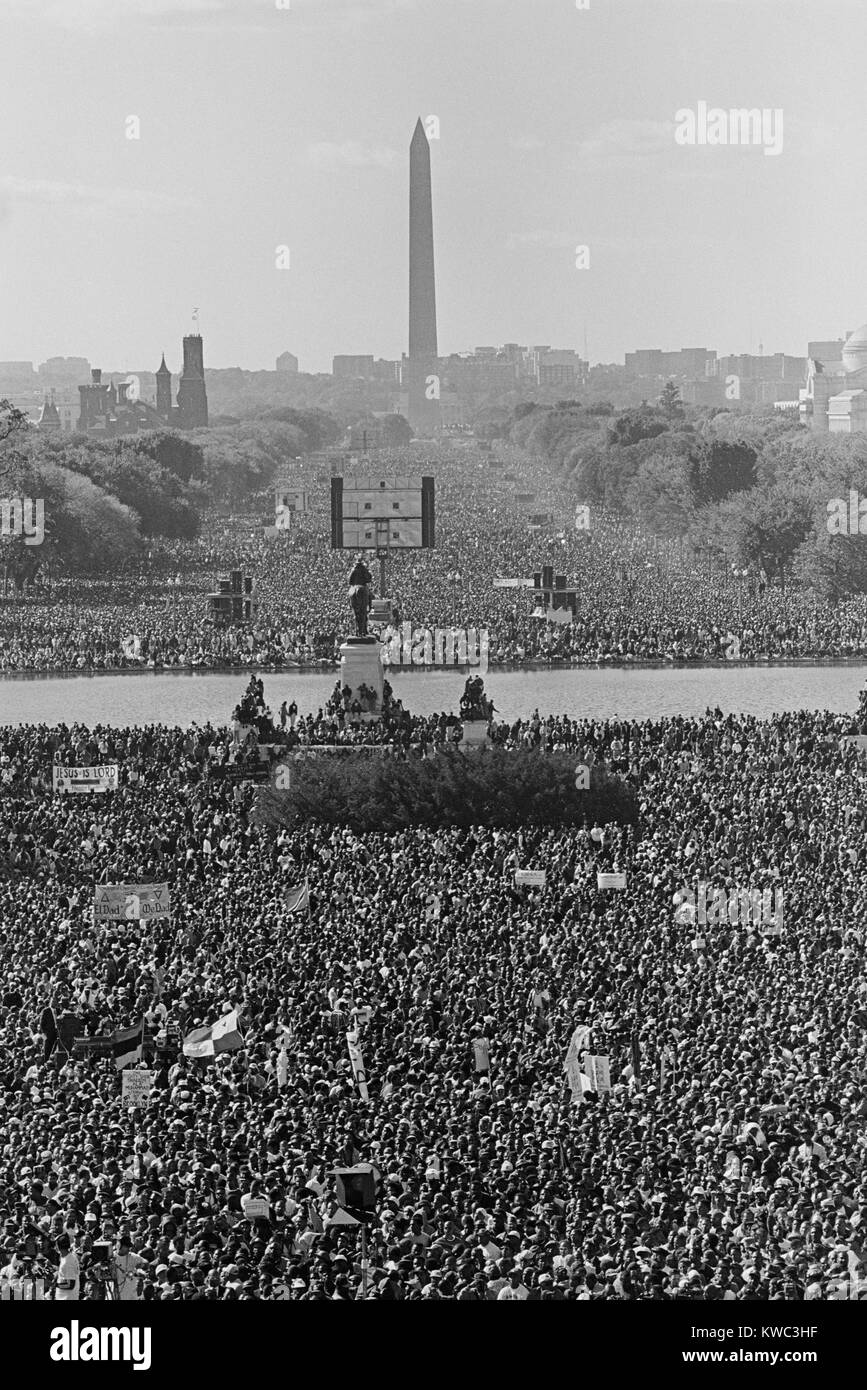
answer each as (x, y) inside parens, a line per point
(638, 599)
(725, 1162)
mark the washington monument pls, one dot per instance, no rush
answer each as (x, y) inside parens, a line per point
(422, 367)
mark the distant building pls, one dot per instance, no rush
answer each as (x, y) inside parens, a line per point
(363, 367)
(834, 399)
(49, 416)
(559, 367)
(826, 349)
(386, 370)
(685, 362)
(105, 408)
(477, 374)
(777, 366)
(192, 398)
(16, 377)
(164, 390)
(63, 371)
(66, 402)
(287, 362)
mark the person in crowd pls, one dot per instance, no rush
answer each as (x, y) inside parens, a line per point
(726, 1161)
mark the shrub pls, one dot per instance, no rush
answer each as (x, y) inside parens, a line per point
(485, 787)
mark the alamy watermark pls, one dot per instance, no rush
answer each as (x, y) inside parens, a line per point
(439, 646)
(77, 1343)
(713, 907)
(23, 516)
(711, 125)
(847, 519)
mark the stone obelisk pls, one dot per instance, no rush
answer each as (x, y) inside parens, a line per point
(422, 365)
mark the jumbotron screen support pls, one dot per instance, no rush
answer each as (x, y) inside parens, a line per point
(383, 514)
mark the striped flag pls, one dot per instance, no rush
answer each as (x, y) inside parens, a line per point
(213, 1038)
(298, 898)
(126, 1045)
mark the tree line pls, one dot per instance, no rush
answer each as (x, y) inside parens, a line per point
(106, 498)
(754, 485)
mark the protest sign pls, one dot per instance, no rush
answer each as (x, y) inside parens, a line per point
(136, 1086)
(84, 779)
(130, 902)
(598, 1072)
(93, 1047)
(534, 878)
(481, 1054)
(610, 880)
(257, 1208)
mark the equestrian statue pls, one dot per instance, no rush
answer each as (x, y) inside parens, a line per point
(360, 585)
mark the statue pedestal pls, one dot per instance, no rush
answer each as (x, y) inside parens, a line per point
(361, 664)
(475, 735)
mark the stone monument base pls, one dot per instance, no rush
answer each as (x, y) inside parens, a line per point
(361, 664)
(475, 734)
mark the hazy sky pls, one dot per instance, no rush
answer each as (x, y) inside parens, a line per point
(263, 127)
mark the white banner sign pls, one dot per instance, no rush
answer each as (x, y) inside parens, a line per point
(598, 1072)
(534, 878)
(85, 779)
(130, 902)
(610, 880)
(136, 1086)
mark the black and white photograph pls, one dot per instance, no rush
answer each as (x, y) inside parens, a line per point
(433, 690)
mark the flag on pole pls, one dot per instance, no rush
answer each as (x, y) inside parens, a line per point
(126, 1045)
(635, 1051)
(298, 898)
(222, 1036)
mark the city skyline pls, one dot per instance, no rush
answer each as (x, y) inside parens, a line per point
(107, 244)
